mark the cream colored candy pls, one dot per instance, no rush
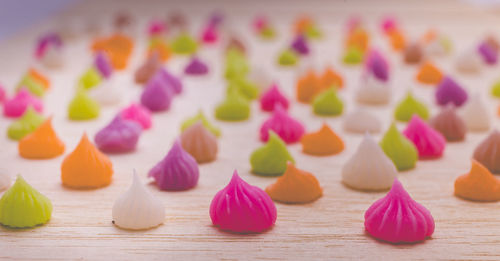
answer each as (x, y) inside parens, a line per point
(476, 115)
(360, 121)
(369, 168)
(53, 58)
(373, 91)
(469, 62)
(107, 93)
(137, 208)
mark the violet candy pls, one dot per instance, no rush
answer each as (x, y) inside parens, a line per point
(448, 91)
(196, 67)
(488, 52)
(177, 171)
(103, 64)
(300, 45)
(45, 41)
(118, 136)
(170, 80)
(156, 95)
(376, 64)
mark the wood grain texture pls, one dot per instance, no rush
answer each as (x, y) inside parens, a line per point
(331, 227)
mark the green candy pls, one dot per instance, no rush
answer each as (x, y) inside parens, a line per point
(234, 108)
(288, 58)
(236, 64)
(82, 107)
(90, 78)
(32, 85)
(399, 149)
(313, 32)
(271, 159)
(267, 33)
(25, 125)
(184, 44)
(245, 87)
(328, 103)
(21, 206)
(353, 56)
(495, 89)
(409, 106)
(200, 117)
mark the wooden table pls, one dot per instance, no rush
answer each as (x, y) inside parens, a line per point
(331, 227)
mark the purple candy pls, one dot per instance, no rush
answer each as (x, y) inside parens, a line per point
(103, 64)
(216, 19)
(177, 171)
(449, 91)
(118, 136)
(196, 67)
(300, 45)
(377, 64)
(489, 54)
(170, 80)
(44, 41)
(156, 95)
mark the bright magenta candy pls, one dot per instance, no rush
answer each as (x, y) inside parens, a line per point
(429, 142)
(271, 98)
(16, 106)
(138, 113)
(398, 218)
(288, 128)
(242, 208)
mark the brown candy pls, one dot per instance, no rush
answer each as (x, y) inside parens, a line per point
(123, 20)
(236, 44)
(450, 124)
(200, 143)
(177, 20)
(493, 42)
(488, 152)
(148, 69)
(413, 53)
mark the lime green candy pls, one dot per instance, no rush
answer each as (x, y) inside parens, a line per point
(399, 149)
(25, 125)
(312, 32)
(271, 159)
(21, 206)
(90, 78)
(236, 64)
(82, 107)
(288, 58)
(267, 33)
(32, 85)
(328, 103)
(353, 55)
(410, 106)
(234, 108)
(184, 44)
(245, 87)
(201, 117)
(495, 89)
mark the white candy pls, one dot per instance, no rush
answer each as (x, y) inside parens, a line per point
(4, 180)
(261, 77)
(369, 168)
(361, 121)
(53, 57)
(475, 114)
(373, 91)
(469, 62)
(138, 208)
(106, 93)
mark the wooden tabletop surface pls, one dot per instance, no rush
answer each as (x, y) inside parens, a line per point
(331, 227)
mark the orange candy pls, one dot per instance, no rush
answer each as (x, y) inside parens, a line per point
(322, 143)
(86, 167)
(331, 78)
(359, 38)
(42, 143)
(295, 186)
(429, 36)
(397, 39)
(40, 78)
(302, 24)
(478, 185)
(429, 74)
(161, 48)
(308, 86)
(119, 48)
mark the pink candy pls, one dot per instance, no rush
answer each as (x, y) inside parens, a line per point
(3, 94)
(242, 208)
(16, 106)
(139, 114)
(272, 98)
(429, 142)
(259, 23)
(118, 136)
(177, 171)
(157, 27)
(157, 96)
(209, 34)
(398, 218)
(389, 24)
(289, 129)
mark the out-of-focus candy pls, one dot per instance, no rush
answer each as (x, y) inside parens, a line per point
(82, 107)
(42, 143)
(25, 125)
(428, 73)
(184, 44)
(17, 105)
(196, 67)
(138, 113)
(328, 103)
